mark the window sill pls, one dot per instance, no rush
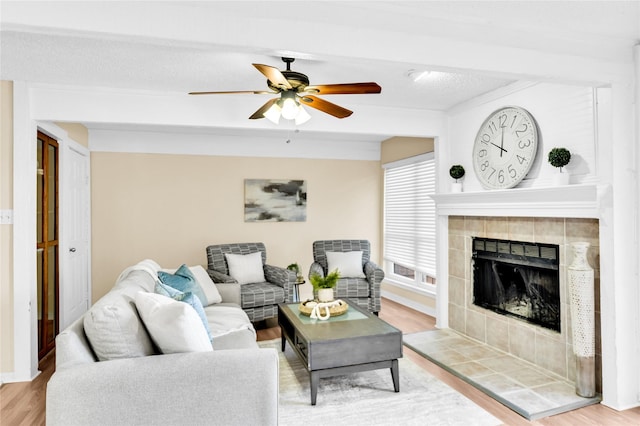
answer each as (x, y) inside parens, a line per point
(414, 289)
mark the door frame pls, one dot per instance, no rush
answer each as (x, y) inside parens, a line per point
(25, 320)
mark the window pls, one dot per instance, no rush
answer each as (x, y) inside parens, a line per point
(410, 221)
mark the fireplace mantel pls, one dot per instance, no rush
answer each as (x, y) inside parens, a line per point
(578, 201)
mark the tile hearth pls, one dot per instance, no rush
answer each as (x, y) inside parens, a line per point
(525, 388)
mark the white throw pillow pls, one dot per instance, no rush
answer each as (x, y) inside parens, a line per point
(204, 281)
(348, 263)
(246, 268)
(174, 326)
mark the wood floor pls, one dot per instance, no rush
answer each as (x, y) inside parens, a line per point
(24, 403)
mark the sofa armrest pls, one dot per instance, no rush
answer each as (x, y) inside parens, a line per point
(230, 387)
(283, 277)
(219, 277)
(230, 292)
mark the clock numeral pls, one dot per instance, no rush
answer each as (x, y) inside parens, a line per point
(522, 144)
(512, 172)
(501, 176)
(484, 165)
(492, 127)
(486, 138)
(521, 159)
(503, 120)
(513, 121)
(521, 130)
(491, 174)
(482, 153)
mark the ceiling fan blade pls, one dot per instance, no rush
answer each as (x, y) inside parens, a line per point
(324, 106)
(255, 92)
(274, 75)
(260, 112)
(344, 89)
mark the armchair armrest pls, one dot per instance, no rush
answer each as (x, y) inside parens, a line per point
(316, 268)
(373, 272)
(283, 277)
(374, 275)
(219, 277)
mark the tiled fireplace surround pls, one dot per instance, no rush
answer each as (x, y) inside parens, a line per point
(545, 348)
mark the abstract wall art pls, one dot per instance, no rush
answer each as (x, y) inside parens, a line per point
(275, 200)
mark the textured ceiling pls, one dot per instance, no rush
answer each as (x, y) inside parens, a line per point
(94, 53)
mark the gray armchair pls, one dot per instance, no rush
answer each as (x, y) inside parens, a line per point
(259, 300)
(364, 291)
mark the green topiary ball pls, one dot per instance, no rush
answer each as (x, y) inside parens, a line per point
(559, 157)
(456, 171)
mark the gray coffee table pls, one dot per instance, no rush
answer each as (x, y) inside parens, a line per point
(353, 342)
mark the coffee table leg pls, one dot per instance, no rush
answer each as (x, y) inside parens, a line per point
(283, 343)
(395, 375)
(314, 378)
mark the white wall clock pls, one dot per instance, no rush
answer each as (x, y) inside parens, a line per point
(505, 148)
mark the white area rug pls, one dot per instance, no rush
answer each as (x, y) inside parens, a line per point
(367, 398)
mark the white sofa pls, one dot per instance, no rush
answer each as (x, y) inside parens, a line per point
(109, 371)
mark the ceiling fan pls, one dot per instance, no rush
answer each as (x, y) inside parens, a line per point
(294, 90)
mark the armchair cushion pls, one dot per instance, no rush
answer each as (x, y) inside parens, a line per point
(247, 268)
(348, 264)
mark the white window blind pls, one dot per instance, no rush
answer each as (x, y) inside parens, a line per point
(410, 215)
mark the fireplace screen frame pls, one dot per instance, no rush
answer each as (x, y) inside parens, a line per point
(530, 270)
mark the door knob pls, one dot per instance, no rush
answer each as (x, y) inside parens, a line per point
(72, 249)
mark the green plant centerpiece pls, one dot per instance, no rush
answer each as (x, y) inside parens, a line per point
(456, 171)
(295, 268)
(559, 157)
(324, 285)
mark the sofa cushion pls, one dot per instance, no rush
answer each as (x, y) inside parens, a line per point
(206, 283)
(115, 330)
(187, 298)
(174, 326)
(246, 268)
(348, 263)
(184, 280)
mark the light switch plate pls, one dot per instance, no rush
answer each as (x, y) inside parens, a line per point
(6, 217)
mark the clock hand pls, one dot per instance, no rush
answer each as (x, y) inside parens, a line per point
(499, 147)
(502, 143)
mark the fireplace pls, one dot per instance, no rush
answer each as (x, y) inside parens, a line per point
(518, 279)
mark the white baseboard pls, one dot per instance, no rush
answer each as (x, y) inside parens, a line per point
(409, 303)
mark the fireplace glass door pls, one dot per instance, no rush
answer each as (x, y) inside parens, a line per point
(518, 279)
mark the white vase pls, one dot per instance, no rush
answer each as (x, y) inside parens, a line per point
(456, 187)
(325, 295)
(581, 280)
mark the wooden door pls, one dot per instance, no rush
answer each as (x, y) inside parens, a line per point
(47, 243)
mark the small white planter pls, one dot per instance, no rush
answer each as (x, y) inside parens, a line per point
(456, 187)
(325, 295)
(561, 178)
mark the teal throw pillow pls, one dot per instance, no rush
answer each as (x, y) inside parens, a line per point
(184, 280)
(188, 298)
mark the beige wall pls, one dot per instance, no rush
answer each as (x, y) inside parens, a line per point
(6, 231)
(170, 207)
(77, 132)
(394, 149)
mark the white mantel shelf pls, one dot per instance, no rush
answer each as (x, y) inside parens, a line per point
(579, 201)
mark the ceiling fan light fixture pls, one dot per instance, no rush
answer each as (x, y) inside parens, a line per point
(303, 116)
(273, 113)
(290, 109)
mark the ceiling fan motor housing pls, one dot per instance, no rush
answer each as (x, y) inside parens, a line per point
(297, 80)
